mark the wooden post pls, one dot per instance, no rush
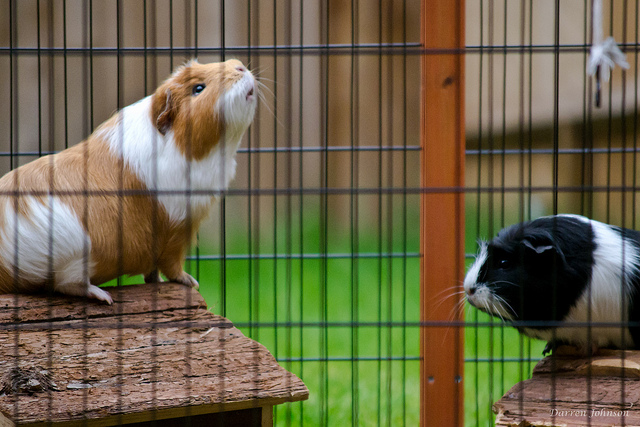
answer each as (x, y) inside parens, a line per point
(442, 215)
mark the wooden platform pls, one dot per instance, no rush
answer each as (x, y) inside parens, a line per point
(157, 353)
(570, 390)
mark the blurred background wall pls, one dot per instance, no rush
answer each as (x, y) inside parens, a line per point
(314, 100)
(523, 94)
(310, 100)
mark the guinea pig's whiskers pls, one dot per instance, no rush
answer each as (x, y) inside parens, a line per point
(262, 90)
(506, 282)
(496, 311)
(264, 79)
(488, 308)
(504, 304)
(450, 293)
(456, 308)
(259, 71)
(457, 311)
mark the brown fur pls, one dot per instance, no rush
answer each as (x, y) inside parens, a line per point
(196, 130)
(130, 231)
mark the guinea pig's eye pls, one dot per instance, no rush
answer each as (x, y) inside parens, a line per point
(504, 263)
(198, 88)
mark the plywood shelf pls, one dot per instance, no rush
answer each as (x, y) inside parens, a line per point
(156, 353)
(568, 389)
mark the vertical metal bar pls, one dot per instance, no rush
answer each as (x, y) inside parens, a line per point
(65, 73)
(522, 194)
(301, 186)
(275, 183)
(250, 188)
(478, 197)
(353, 210)
(195, 55)
(403, 375)
(324, 220)
(51, 85)
(171, 53)
(442, 209)
(13, 135)
(223, 201)
(379, 219)
(276, 307)
(635, 124)
(288, 212)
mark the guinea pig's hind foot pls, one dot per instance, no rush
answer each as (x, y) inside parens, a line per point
(186, 279)
(99, 294)
(84, 290)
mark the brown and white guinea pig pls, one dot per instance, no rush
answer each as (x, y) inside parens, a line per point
(128, 199)
(564, 279)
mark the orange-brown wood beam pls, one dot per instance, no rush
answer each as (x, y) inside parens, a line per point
(442, 204)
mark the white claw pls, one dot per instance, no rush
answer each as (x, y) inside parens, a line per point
(99, 294)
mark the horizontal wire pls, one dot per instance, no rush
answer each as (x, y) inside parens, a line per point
(521, 151)
(293, 149)
(317, 49)
(400, 148)
(312, 256)
(350, 359)
(100, 323)
(332, 191)
(377, 49)
(501, 359)
(319, 149)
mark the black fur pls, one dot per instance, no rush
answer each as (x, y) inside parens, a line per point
(540, 269)
(549, 259)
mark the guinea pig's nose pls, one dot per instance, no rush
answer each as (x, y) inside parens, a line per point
(241, 69)
(472, 290)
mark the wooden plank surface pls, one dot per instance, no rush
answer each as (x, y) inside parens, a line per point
(156, 353)
(571, 390)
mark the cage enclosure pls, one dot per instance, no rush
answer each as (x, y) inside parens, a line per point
(389, 137)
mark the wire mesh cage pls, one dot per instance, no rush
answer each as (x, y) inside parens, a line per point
(544, 137)
(312, 251)
(388, 139)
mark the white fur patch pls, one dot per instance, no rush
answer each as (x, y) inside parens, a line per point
(471, 278)
(479, 294)
(238, 112)
(159, 164)
(48, 241)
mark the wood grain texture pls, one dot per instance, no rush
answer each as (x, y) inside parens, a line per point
(571, 390)
(442, 211)
(156, 353)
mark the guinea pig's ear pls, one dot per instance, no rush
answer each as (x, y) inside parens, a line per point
(538, 248)
(543, 251)
(163, 109)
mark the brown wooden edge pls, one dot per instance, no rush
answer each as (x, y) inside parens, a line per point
(442, 210)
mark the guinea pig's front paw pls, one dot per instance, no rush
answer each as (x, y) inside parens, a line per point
(99, 294)
(186, 279)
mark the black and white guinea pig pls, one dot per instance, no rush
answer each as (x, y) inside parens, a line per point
(562, 269)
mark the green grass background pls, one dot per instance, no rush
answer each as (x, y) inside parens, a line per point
(303, 311)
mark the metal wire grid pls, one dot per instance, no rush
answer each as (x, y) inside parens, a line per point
(524, 162)
(279, 221)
